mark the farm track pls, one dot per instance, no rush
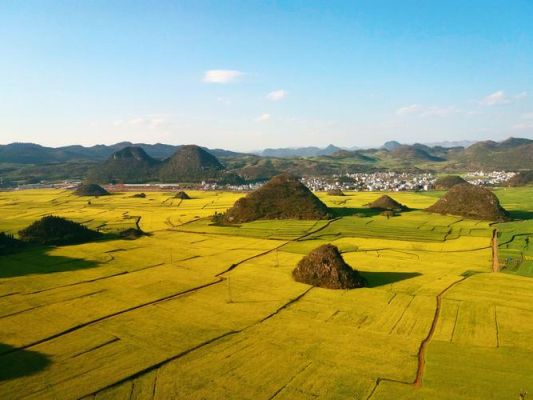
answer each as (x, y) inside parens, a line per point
(105, 317)
(421, 355)
(92, 280)
(220, 280)
(495, 260)
(219, 277)
(422, 350)
(206, 343)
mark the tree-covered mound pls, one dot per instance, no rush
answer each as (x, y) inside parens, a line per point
(446, 182)
(91, 189)
(128, 165)
(387, 203)
(182, 195)
(523, 178)
(131, 233)
(8, 243)
(52, 230)
(283, 197)
(324, 267)
(190, 163)
(335, 192)
(470, 201)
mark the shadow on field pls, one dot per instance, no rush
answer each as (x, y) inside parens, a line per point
(376, 279)
(35, 260)
(363, 212)
(20, 363)
(519, 214)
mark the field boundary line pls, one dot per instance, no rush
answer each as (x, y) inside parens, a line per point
(423, 345)
(220, 279)
(422, 349)
(495, 260)
(201, 345)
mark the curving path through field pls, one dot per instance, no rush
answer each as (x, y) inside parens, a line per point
(495, 260)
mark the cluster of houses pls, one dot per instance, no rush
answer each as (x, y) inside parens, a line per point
(492, 178)
(378, 181)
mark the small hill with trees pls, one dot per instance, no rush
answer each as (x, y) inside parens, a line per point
(283, 197)
(446, 182)
(52, 230)
(182, 195)
(387, 203)
(470, 201)
(336, 192)
(190, 163)
(130, 164)
(324, 267)
(523, 178)
(91, 189)
(8, 243)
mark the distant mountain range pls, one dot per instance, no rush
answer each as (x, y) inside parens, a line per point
(189, 163)
(299, 151)
(126, 162)
(31, 153)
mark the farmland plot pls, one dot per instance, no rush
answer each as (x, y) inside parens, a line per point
(201, 311)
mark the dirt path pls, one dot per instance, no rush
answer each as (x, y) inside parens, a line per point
(219, 278)
(421, 355)
(495, 260)
(423, 345)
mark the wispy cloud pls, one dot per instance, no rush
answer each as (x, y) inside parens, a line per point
(426, 111)
(221, 76)
(149, 122)
(526, 122)
(407, 110)
(263, 117)
(277, 95)
(500, 97)
(224, 100)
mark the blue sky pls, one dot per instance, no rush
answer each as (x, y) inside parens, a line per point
(247, 75)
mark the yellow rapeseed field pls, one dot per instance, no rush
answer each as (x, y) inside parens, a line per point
(197, 311)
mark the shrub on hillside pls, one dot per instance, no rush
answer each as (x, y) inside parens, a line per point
(52, 230)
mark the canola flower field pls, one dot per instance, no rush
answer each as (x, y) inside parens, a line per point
(197, 311)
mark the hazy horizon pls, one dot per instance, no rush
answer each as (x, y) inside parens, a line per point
(248, 76)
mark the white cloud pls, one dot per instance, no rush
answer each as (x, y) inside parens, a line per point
(526, 122)
(524, 126)
(277, 95)
(263, 117)
(221, 76)
(499, 98)
(224, 100)
(426, 111)
(495, 98)
(412, 109)
(150, 122)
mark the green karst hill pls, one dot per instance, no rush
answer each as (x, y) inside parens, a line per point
(190, 163)
(283, 197)
(470, 201)
(387, 203)
(182, 195)
(523, 178)
(52, 230)
(446, 182)
(91, 189)
(336, 192)
(324, 267)
(129, 165)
